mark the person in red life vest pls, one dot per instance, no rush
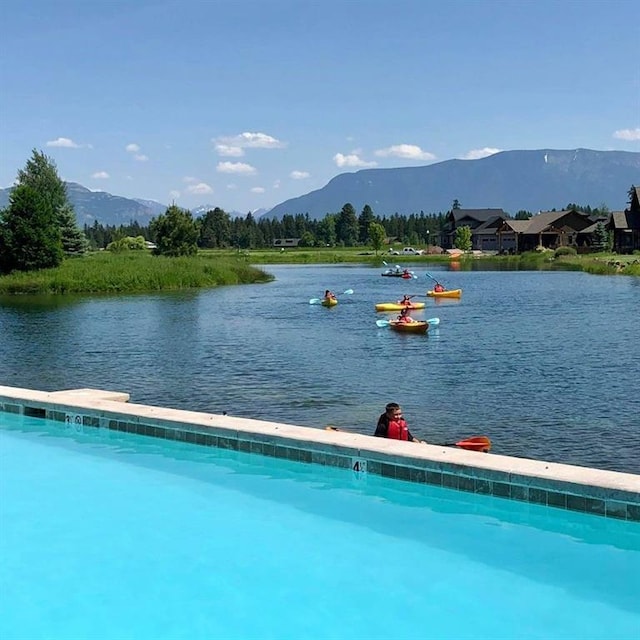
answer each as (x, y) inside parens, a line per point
(406, 300)
(404, 316)
(438, 288)
(392, 425)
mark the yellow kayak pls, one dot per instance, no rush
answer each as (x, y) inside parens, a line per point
(409, 327)
(329, 302)
(395, 306)
(450, 293)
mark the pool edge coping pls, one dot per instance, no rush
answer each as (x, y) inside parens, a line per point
(596, 491)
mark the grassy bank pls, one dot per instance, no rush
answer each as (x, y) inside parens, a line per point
(132, 272)
(598, 264)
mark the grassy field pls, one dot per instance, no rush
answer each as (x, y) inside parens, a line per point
(106, 272)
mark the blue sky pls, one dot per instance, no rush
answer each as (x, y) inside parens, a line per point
(243, 104)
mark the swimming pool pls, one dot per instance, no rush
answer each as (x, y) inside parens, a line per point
(114, 535)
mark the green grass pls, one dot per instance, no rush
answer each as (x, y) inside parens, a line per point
(603, 264)
(131, 272)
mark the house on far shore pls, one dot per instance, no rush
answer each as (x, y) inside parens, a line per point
(282, 243)
(625, 225)
(549, 229)
(484, 224)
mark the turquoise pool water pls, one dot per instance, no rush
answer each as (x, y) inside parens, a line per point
(111, 535)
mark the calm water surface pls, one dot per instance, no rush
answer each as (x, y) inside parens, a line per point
(545, 363)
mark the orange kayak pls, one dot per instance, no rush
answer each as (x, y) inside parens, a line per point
(329, 302)
(409, 327)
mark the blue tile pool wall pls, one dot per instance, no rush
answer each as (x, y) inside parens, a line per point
(608, 503)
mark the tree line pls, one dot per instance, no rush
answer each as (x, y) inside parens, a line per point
(216, 229)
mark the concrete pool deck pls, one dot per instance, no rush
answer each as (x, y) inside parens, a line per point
(595, 491)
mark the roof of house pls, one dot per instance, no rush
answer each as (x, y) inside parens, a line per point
(481, 215)
(625, 219)
(544, 219)
(490, 226)
(519, 226)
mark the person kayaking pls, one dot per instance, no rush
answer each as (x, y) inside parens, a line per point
(438, 288)
(392, 425)
(329, 295)
(405, 317)
(406, 300)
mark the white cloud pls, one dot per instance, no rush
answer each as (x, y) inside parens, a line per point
(174, 193)
(352, 160)
(627, 134)
(190, 179)
(476, 154)
(229, 151)
(232, 186)
(100, 175)
(240, 168)
(134, 148)
(66, 143)
(299, 175)
(276, 184)
(234, 145)
(407, 151)
(257, 190)
(199, 188)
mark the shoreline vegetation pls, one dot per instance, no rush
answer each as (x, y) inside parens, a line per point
(132, 272)
(140, 272)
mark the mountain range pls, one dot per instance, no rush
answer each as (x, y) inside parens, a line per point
(511, 180)
(107, 209)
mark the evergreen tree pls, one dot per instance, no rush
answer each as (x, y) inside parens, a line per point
(40, 173)
(74, 241)
(347, 230)
(175, 233)
(600, 237)
(327, 230)
(364, 220)
(29, 234)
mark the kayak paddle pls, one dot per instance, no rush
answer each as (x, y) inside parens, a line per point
(385, 323)
(475, 443)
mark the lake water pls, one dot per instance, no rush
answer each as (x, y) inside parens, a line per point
(547, 364)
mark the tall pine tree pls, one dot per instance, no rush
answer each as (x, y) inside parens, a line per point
(30, 237)
(40, 173)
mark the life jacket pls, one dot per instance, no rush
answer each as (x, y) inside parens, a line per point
(398, 430)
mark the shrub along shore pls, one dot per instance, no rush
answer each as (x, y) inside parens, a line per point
(139, 271)
(133, 272)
